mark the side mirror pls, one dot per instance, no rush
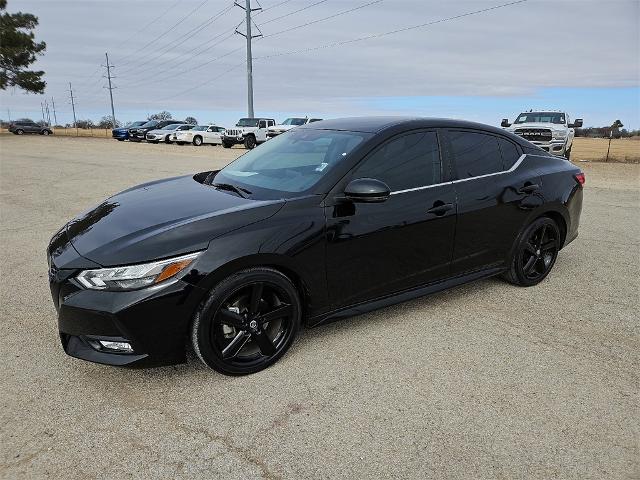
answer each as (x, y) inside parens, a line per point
(505, 123)
(576, 124)
(367, 190)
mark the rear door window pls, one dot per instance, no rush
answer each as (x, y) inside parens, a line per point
(475, 154)
(405, 162)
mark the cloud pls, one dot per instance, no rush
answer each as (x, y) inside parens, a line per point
(513, 51)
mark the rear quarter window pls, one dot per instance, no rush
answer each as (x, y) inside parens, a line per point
(510, 153)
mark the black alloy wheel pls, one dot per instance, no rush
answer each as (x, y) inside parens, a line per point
(535, 254)
(197, 140)
(250, 142)
(248, 322)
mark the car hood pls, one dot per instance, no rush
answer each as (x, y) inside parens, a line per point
(282, 127)
(161, 219)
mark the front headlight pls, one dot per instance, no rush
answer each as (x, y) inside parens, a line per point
(559, 134)
(133, 277)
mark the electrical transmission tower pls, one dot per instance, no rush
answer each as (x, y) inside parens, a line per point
(73, 107)
(249, 37)
(110, 87)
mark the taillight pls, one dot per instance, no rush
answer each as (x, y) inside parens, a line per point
(579, 178)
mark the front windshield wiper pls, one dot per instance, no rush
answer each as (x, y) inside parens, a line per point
(227, 186)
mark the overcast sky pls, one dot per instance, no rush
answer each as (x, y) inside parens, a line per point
(581, 56)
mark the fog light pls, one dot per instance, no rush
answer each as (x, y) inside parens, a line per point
(123, 347)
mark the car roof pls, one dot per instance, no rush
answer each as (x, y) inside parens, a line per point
(379, 124)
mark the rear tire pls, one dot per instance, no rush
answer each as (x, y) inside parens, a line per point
(248, 322)
(535, 253)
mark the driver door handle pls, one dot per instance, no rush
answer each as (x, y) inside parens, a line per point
(440, 208)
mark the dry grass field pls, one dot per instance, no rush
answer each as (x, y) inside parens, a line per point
(625, 150)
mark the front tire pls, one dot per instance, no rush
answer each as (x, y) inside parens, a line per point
(535, 254)
(197, 141)
(567, 154)
(19, 132)
(166, 139)
(226, 145)
(250, 142)
(248, 321)
(46, 132)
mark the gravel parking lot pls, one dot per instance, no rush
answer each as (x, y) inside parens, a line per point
(484, 381)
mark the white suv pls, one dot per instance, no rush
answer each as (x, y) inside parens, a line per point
(550, 130)
(248, 131)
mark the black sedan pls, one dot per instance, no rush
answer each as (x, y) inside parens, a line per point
(329, 220)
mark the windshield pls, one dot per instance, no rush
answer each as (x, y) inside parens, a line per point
(136, 124)
(247, 122)
(540, 117)
(173, 126)
(200, 128)
(151, 123)
(290, 163)
(294, 121)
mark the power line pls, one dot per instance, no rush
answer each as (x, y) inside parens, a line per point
(384, 34)
(148, 24)
(322, 19)
(186, 36)
(293, 13)
(163, 33)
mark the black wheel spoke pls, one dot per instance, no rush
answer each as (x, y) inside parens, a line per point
(264, 342)
(529, 265)
(530, 248)
(280, 312)
(231, 318)
(543, 230)
(550, 245)
(256, 296)
(234, 347)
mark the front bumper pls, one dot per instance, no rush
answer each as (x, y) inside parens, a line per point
(233, 140)
(154, 321)
(557, 147)
(120, 135)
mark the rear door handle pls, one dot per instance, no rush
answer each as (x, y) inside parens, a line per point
(440, 208)
(529, 188)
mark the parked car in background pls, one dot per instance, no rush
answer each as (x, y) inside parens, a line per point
(211, 134)
(248, 131)
(21, 127)
(139, 134)
(550, 130)
(163, 134)
(327, 221)
(288, 124)
(122, 133)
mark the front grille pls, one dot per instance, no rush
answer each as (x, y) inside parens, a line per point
(534, 134)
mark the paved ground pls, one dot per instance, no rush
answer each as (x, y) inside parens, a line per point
(483, 381)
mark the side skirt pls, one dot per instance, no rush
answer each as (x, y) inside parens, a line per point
(402, 296)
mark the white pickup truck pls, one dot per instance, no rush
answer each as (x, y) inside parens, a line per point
(248, 131)
(288, 124)
(550, 130)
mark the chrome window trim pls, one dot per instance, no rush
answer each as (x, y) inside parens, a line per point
(415, 189)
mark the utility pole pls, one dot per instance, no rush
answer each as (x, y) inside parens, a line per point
(109, 67)
(46, 107)
(53, 104)
(9, 113)
(73, 107)
(249, 37)
(42, 108)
